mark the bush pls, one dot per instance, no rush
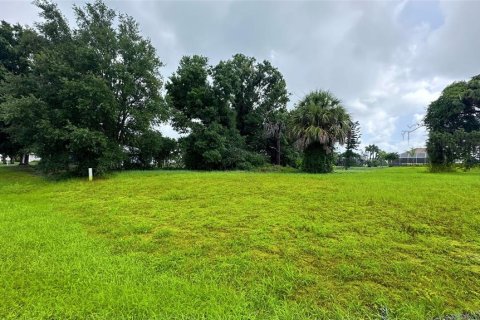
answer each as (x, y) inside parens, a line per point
(150, 150)
(440, 168)
(218, 148)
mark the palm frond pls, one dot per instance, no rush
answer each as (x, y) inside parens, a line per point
(320, 117)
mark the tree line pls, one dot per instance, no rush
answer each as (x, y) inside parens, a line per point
(372, 156)
(93, 96)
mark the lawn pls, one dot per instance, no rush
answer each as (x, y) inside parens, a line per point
(391, 243)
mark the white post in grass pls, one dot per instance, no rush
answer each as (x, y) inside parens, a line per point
(90, 174)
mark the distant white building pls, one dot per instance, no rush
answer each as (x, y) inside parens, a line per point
(413, 157)
(33, 157)
(7, 160)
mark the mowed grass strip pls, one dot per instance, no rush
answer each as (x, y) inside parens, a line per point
(160, 244)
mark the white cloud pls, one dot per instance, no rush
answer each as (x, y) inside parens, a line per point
(452, 50)
(420, 96)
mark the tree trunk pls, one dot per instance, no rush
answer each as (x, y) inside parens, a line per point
(278, 149)
(24, 160)
(316, 159)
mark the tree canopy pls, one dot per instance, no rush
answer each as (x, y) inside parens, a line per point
(89, 91)
(17, 45)
(228, 110)
(453, 121)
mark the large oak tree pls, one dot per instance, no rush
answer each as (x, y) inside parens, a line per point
(92, 90)
(453, 121)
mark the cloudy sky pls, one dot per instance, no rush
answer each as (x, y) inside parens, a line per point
(385, 60)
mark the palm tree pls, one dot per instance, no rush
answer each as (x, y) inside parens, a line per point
(373, 151)
(369, 149)
(318, 122)
(274, 127)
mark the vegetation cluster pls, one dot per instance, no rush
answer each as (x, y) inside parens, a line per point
(91, 97)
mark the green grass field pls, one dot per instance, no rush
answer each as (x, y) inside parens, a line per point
(396, 243)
